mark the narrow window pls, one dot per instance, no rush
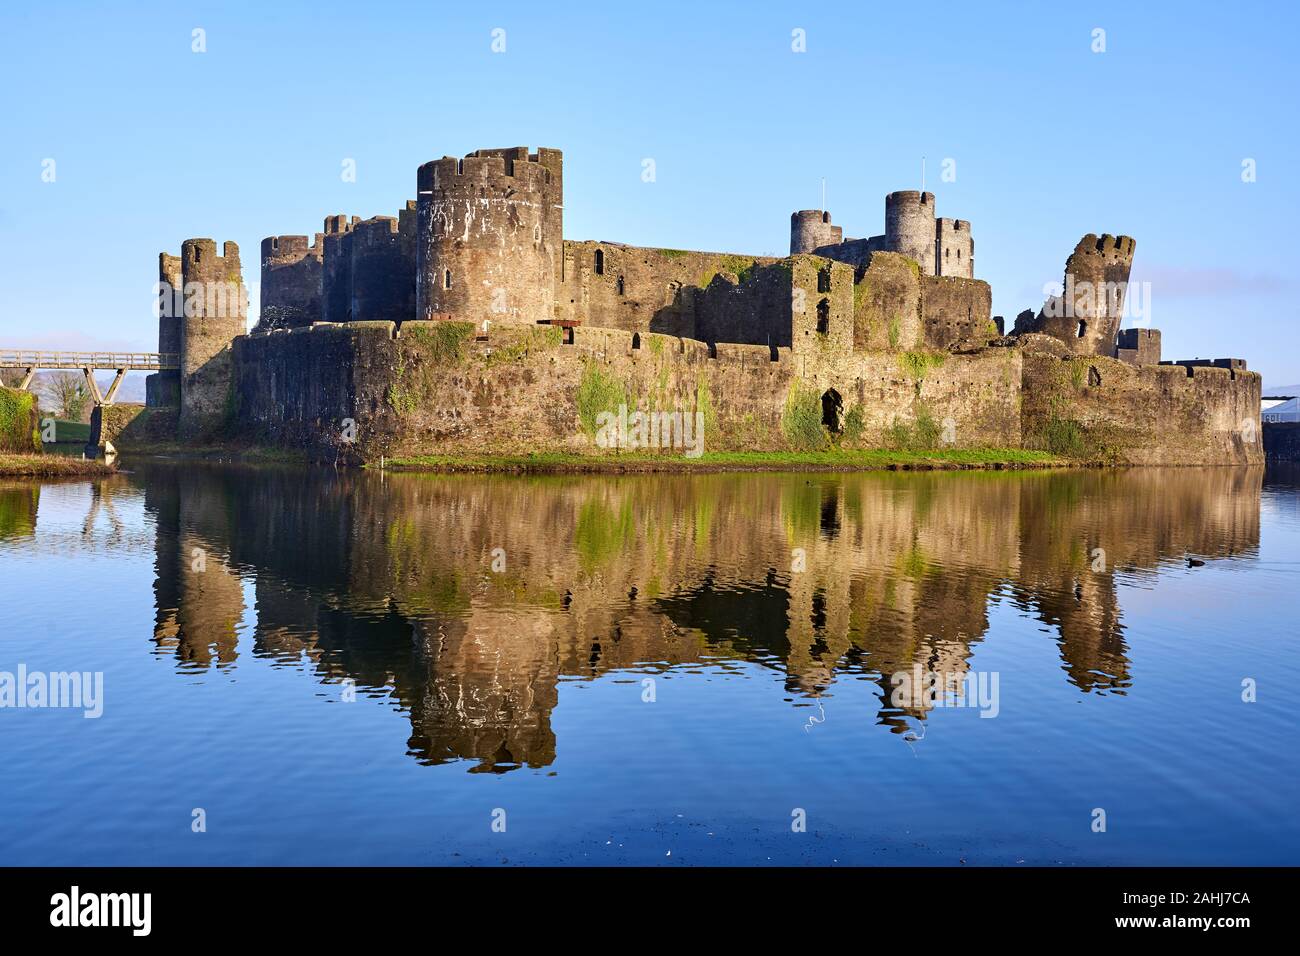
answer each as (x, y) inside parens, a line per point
(1083, 327)
(600, 262)
(636, 340)
(620, 285)
(824, 280)
(823, 316)
(446, 279)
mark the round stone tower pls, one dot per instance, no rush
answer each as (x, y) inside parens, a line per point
(215, 310)
(811, 229)
(489, 236)
(910, 226)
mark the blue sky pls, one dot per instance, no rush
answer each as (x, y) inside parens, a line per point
(154, 143)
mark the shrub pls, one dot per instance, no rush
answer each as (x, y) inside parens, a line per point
(19, 429)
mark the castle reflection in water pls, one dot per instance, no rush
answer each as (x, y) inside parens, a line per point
(388, 580)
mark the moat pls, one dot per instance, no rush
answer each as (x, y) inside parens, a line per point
(347, 667)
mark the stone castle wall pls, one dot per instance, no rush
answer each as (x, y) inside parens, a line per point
(431, 389)
(1097, 406)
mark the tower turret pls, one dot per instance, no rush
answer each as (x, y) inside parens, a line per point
(489, 235)
(956, 252)
(910, 226)
(291, 282)
(810, 229)
(215, 310)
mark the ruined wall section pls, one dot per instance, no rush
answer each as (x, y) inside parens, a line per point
(1139, 346)
(216, 307)
(855, 252)
(887, 304)
(956, 313)
(489, 236)
(804, 302)
(639, 289)
(1101, 407)
(290, 292)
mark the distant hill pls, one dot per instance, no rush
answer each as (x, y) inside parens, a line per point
(1270, 389)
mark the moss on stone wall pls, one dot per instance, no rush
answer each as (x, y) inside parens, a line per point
(542, 337)
(446, 343)
(922, 433)
(704, 404)
(598, 391)
(801, 421)
(916, 365)
(854, 424)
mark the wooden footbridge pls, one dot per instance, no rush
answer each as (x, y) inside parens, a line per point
(88, 363)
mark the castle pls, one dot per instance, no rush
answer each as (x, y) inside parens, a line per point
(467, 322)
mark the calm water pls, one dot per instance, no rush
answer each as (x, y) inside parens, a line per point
(658, 669)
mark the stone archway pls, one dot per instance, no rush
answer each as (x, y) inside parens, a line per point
(832, 411)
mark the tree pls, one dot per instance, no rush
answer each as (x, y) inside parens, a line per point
(66, 392)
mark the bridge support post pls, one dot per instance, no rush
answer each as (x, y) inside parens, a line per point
(111, 394)
(27, 379)
(92, 387)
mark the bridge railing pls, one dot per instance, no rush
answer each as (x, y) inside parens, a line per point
(47, 359)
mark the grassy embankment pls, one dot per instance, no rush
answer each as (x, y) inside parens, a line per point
(830, 460)
(36, 465)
